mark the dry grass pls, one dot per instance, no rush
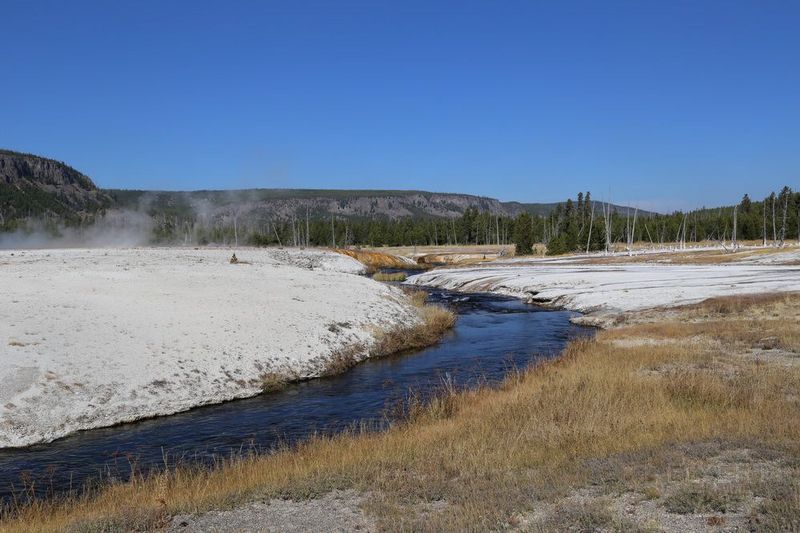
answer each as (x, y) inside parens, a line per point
(343, 360)
(740, 323)
(436, 320)
(275, 381)
(489, 455)
(393, 276)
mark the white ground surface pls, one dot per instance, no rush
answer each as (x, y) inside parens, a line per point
(609, 289)
(90, 338)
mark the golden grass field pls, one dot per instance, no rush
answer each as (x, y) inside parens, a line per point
(670, 416)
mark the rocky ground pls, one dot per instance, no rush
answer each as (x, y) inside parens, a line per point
(337, 511)
(695, 487)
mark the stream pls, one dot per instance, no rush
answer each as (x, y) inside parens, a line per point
(493, 335)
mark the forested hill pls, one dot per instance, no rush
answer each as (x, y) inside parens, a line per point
(36, 187)
(286, 203)
(35, 190)
(278, 204)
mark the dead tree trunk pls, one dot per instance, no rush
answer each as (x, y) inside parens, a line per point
(607, 222)
(275, 229)
(632, 234)
(786, 192)
(683, 233)
(774, 231)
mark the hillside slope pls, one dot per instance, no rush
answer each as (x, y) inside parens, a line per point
(284, 203)
(33, 186)
(270, 204)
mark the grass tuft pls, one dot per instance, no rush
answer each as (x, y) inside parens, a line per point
(274, 381)
(702, 498)
(343, 360)
(389, 276)
(435, 321)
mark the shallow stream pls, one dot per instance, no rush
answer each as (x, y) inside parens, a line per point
(493, 335)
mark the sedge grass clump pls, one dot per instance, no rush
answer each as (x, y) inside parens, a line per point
(701, 498)
(418, 298)
(390, 276)
(274, 381)
(435, 320)
(343, 359)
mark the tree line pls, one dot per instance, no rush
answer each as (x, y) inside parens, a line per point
(579, 224)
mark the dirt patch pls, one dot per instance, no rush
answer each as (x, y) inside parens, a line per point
(696, 487)
(335, 511)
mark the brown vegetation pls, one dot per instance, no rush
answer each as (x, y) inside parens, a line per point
(697, 429)
(389, 276)
(376, 260)
(275, 381)
(436, 320)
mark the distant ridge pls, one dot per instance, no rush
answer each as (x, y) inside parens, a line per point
(360, 203)
(33, 186)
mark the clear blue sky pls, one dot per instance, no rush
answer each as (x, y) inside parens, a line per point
(666, 104)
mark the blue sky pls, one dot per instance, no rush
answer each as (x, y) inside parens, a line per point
(666, 104)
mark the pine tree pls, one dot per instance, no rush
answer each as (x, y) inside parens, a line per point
(523, 234)
(746, 204)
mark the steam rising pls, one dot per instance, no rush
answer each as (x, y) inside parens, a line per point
(115, 228)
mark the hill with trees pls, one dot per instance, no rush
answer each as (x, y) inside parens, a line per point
(33, 189)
